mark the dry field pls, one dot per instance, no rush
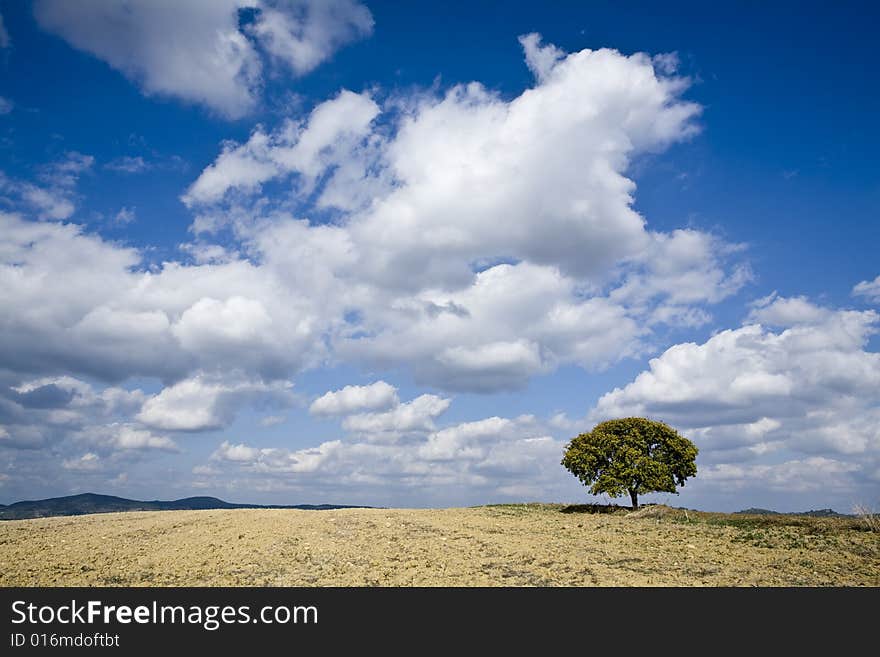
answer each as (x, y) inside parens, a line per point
(508, 545)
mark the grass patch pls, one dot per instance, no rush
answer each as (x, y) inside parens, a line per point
(868, 518)
(518, 509)
(780, 531)
(594, 508)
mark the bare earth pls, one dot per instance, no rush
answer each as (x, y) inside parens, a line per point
(511, 545)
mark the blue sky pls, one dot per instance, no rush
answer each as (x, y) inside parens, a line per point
(392, 254)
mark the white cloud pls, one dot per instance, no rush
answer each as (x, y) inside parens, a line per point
(683, 268)
(540, 59)
(475, 242)
(774, 310)
(53, 198)
(307, 149)
(513, 322)
(494, 458)
(88, 462)
(48, 203)
(278, 460)
(66, 171)
(667, 62)
(272, 420)
(796, 476)
(58, 391)
(468, 176)
(241, 453)
(216, 324)
(199, 404)
(538, 178)
(304, 34)
(811, 388)
(466, 440)
(466, 288)
(480, 241)
(124, 216)
(197, 51)
(354, 399)
(868, 289)
(131, 438)
(243, 167)
(77, 302)
(66, 414)
(413, 416)
(211, 61)
(119, 436)
(128, 164)
(6, 106)
(24, 436)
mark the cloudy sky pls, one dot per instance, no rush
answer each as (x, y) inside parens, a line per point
(301, 251)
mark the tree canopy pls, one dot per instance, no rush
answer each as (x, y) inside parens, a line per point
(631, 455)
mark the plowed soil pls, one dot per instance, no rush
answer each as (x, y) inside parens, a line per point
(511, 545)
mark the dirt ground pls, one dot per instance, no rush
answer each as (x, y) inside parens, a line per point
(511, 545)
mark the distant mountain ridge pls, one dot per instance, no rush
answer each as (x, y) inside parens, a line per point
(818, 513)
(77, 505)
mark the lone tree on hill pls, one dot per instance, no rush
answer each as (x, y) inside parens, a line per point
(631, 455)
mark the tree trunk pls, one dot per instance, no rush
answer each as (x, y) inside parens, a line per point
(634, 496)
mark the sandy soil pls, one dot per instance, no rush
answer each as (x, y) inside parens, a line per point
(519, 545)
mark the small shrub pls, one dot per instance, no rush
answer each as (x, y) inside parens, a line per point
(868, 517)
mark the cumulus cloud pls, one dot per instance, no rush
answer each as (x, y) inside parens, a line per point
(53, 196)
(6, 106)
(540, 59)
(806, 475)
(868, 289)
(413, 416)
(470, 240)
(88, 462)
(63, 411)
(307, 149)
(513, 322)
(666, 62)
(54, 391)
(774, 310)
(82, 307)
(200, 52)
(466, 440)
(277, 459)
(683, 268)
(538, 178)
(354, 399)
(481, 241)
(121, 436)
(494, 458)
(199, 404)
(304, 34)
(471, 176)
(809, 390)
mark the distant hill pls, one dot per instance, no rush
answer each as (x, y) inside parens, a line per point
(820, 513)
(77, 505)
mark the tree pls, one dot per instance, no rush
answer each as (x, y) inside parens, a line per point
(632, 455)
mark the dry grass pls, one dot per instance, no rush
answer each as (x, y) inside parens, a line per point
(505, 545)
(867, 517)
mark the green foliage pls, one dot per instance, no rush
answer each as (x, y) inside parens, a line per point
(632, 455)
